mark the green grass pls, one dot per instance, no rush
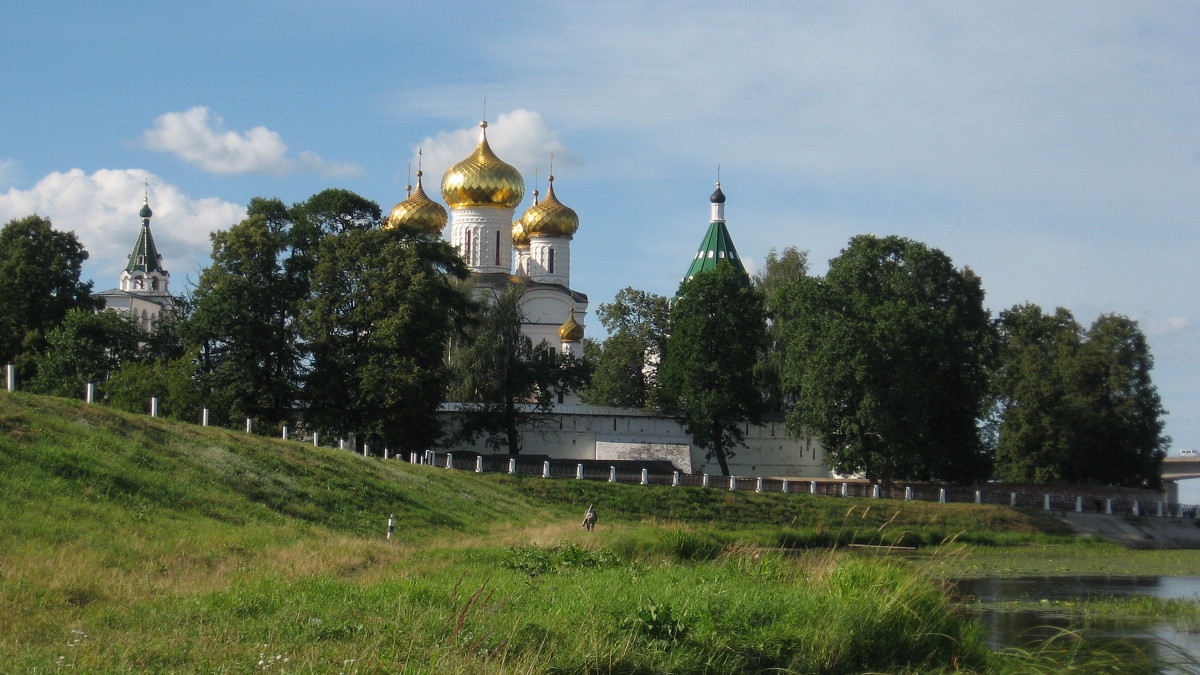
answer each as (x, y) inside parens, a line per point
(131, 544)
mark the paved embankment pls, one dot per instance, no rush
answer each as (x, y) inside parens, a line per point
(1137, 532)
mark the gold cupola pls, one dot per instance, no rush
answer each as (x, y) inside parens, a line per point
(483, 179)
(570, 331)
(550, 218)
(519, 235)
(418, 211)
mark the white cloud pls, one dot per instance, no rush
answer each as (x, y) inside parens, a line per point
(520, 138)
(196, 136)
(102, 210)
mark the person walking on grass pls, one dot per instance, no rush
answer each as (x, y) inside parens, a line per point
(589, 518)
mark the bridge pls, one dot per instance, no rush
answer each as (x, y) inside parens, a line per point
(1181, 468)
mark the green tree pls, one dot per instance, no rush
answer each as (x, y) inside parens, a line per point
(87, 347)
(246, 305)
(888, 358)
(503, 381)
(382, 310)
(626, 366)
(243, 325)
(1077, 406)
(39, 285)
(780, 271)
(707, 375)
(171, 380)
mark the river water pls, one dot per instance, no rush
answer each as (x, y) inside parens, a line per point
(1023, 626)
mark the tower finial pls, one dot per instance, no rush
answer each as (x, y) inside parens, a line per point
(408, 188)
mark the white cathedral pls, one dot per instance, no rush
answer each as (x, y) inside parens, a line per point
(143, 290)
(483, 193)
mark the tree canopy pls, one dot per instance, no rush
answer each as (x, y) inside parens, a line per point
(626, 368)
(39, 285)
(707, 374)
(504, 382)
(1076, 406)
(888, 357)
(382, 309)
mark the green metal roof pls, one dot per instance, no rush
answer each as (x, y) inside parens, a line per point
(716, 247)
(145, 255)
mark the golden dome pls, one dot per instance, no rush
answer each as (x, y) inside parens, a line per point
(520, 236)
(570, 331)
(417, 211)
(483, 180)
(550, 218)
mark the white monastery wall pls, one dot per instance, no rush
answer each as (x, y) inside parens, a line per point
(600, 433)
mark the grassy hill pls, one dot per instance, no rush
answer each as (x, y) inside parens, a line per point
(132, 544)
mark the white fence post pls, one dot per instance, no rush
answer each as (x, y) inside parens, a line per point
(546, 469)
(941, 495)
(675, 479)
(704, 481)
(1108, 506)
(479, 464)
(154, 406)
(10, 377)
(612, 474)
(249, 425)
(875, 491)
(90, 393)
(512, 464)
(979, 496)
(1046, 502)
(845, 489)
(449, 460)
(908, 492)
(645, 476)
(812, 487)
(1079, 505)
(758, 484)
(366, 450)
(1137, 511)
(578, 472)
(733, 482)
(204, 417)
(1012, 499)
(391, 525)
(283, 434)
(316, 440)
(786, 486)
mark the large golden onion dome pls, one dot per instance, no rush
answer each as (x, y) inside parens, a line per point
(550, 218)
(483, 180)
(570, 331)
(417, 211)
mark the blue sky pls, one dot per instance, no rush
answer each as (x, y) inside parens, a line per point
(1051, 147)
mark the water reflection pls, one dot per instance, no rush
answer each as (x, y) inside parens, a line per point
(1023, 626)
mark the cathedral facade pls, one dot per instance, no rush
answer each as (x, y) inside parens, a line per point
(482, 193)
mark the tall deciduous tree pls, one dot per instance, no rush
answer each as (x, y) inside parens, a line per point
(1077, 406)
(780, 271)
(626, 368)
(39, 285)
(383, 308)
(707, 375)
(243, 324)
(504, 382)
(888, 357)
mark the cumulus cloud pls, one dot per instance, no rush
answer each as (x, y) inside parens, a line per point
(196, 136)
(520, 138)
(102, 209)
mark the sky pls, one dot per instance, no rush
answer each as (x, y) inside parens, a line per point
(1053, 148)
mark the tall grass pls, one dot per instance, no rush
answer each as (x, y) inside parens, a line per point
(129, 544)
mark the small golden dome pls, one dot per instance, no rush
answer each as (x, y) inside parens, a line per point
(550, 218)
(520, 237)
(417, 211)
(570, 331)
(483, 180)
